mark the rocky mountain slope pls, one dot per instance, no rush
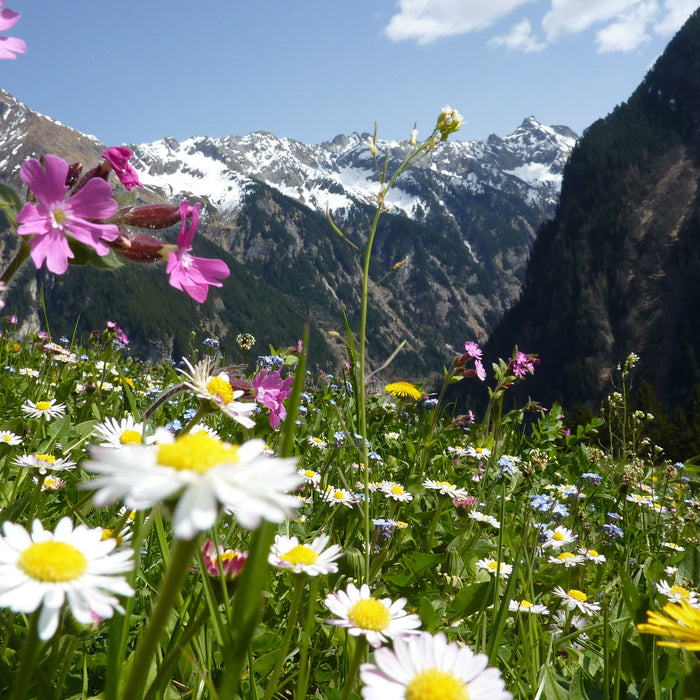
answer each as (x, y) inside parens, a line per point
(463, 221)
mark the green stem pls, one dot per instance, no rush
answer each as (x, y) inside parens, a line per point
(303, 679)
(25, 673)
(13, 267)
(298, 590)
(175, 574)
(433, 526)
(357, 656)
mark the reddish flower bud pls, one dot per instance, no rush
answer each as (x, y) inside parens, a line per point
(151, 216)
(138, 248)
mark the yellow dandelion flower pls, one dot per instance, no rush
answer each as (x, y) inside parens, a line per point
(682, 625)
(404, 390)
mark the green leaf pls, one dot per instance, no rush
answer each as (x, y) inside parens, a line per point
(469, 600)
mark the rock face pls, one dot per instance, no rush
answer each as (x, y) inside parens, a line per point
(618, 269)
(462, 222)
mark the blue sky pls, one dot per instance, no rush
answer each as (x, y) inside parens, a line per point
(137, 71)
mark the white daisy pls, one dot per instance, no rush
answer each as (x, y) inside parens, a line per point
(312, 559)
(117, 433)
(567, 559)
(377, 619)
(338, 496)
(71, 564)
(559, 537)
(592, 555)
(204, 473)
(29, 372)
(527, 607)
(427, 666)
(483, 518)
(217, 389)
(51, 482)
(678, 593)
(44, 462)
(43, 409)
(445, 488)
(7, 437)
(310, 476)
(316, 442)
(479, 452)
(577, 600)
(395, 491)
(674, 546)
(492, 566)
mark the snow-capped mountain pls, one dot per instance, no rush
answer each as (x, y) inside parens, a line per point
(336, 175)
(461, 221)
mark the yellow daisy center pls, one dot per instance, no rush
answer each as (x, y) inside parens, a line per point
(52, 562)
(592, 553)
(433, 684)
(43, 405)
(198, 453)
(577, 595)
(566, 555)
(129, 437)
(49, 459)
(397, 490)
(680, 591)
(310, 473)
(493, 565)
(445, 484)
(525, 604)
(369, 614)
(558, 536)
(218, 386)
(301, 554)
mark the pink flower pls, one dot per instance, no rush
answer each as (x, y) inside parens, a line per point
(9, 45)
(480, 371)
(190, 274)
(270, 391)
(118, 157)
(232, 560)
(472, 349)
(522, 363)
(54, 218)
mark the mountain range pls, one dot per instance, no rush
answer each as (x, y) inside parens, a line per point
(461, 222)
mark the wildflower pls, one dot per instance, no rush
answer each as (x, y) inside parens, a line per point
(245, 341)
(7, 437)
(45, 569)
(483, 518)
(43, 409)
(478, 452)
(44, 462)
(508, 465)
(339, 497)
(270, 391)
(559, 537)
(54, 219)
(445, 488)
(677, 593)
(9, 45)
(187, 273)
(681, 623)
(231, 561)
(592, 478)
(311, 559)
(674, 546)
(395, 491)
(116, 433)
(362, 614)
(217, 389)
(118, 159)
(310, 476)
(568, 559)
(522, 363)
(51, 482)
(493, 567)
(403, 390)
(549, 504)
(592, 555)
(527, 607)
(577, 600)
(464, 506)
(204, 473)
(426, 666)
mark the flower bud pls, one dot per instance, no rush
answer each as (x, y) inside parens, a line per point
(140, 248)
(151, 216)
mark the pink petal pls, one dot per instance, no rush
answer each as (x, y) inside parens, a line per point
(8, 18)
(9, 46)
(48, 183)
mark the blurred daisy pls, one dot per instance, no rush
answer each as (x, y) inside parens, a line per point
(311, 559)
(427, 666)
(45, 569)
(29, 372)
(43, 409)
(117, 433)
(204, 473)
(392, 436)
(592, 555)
(527, 607)
(677, 593)
(445, 488)
(217, 389)
(7, 437)
(674, 546)
(478, 452)
(577, 600)
(559, 537)
(377, 619)
(310, 476)
(492, 566)
(395, 491)
(44, 462)
(220, 561)
(483, 518)
(50, 483)
(317, 442)
(567, 559)
(339, 496)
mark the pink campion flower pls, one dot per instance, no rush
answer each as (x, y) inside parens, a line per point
(118, 157)
(50, 222)
(472, 349)
(522, 363)
(9, 45)
(479, 369)
(190, 274)
(270, 391)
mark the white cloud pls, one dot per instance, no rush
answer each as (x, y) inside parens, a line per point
(574, 16)
(677, 12)
(520, 38)
(629, 31)
(428, 20)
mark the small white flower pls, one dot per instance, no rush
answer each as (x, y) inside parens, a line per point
(395, 491)
(45, 569)
(527, 607)
(427, 666)
(377, 619)
(567, 559)
(577, 600)
(29, 372)
(117, 433)
(310, 476)
(483, 518)
(492, 566)
(338, 496)
(674, 546)
(478, 452)
(7, 437)
(678, 593)
(445, 488)
(592, 555)
(43, 409)
(311, 559)
(559, 537)
(44, 462)
(317, 442)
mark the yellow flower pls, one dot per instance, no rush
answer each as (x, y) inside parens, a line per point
(404, 390)
(682, 624)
